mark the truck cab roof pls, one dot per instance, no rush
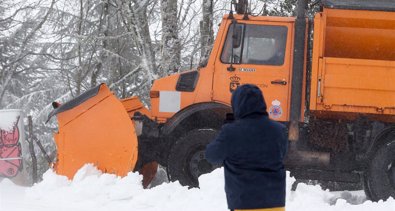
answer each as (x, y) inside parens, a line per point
(382, 5)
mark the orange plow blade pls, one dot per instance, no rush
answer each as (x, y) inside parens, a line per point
(95, 128)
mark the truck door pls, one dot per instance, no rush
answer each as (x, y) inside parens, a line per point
(261, 53)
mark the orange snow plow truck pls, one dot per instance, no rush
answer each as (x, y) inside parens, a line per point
(330, 79)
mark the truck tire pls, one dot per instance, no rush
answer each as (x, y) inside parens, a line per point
(379, 177)
(187, 161)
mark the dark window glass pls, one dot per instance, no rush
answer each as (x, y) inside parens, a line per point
(227, 51)
(261, 45)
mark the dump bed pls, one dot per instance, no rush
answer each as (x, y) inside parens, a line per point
(353, 69)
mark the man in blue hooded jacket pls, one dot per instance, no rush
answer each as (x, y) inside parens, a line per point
(252, 149)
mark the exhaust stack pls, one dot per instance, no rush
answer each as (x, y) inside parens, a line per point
(297, 73)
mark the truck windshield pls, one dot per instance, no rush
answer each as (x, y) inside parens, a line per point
(261, 44)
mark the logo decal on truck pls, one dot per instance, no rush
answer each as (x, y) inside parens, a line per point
(234, 83)
(275, 110)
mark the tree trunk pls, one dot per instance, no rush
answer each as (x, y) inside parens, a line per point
(136, 21)
(80, 69)
(170, 46)
(206, 30)
(143, 34)
(103, 31)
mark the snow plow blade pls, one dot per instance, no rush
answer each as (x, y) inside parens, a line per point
(95, 128)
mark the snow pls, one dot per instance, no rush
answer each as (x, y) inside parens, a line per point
(8, 119)
(92, 190)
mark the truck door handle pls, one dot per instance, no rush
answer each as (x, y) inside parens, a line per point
(280, 82)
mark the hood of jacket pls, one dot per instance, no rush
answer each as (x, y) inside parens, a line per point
(248, 100)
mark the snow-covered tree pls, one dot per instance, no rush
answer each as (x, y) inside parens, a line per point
(206, 29)
(170, 44)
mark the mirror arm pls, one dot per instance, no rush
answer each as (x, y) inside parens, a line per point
(231, 68)
(231, 10)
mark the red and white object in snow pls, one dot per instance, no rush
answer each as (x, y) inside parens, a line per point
(11, 135)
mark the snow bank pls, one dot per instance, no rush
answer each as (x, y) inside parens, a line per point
(92, 190)
(8, 119)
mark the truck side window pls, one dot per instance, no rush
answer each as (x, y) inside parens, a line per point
(227, 51)
(262, 44)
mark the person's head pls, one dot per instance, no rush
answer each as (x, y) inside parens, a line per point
(247, 100)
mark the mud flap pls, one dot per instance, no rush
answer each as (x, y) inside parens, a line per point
(95, 128)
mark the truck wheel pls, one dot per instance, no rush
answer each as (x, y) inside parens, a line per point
(187, 160)
(379, 178)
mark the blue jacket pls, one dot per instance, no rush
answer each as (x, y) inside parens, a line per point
(252, 149)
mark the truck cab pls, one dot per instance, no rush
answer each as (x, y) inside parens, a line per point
(257, 50)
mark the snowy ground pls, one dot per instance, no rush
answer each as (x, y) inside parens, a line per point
(94, 191)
